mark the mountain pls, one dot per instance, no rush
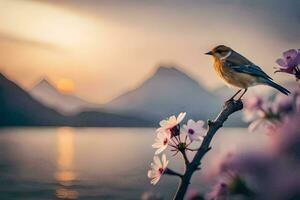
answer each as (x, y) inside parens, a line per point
(46, 93)
(19, 108)
(168, 91)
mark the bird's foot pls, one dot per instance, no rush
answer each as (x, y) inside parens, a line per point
(231, 100)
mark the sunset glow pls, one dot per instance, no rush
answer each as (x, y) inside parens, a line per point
(65, 85)
(113, 46)
(54, 25)
(65, 164)
(65, 159)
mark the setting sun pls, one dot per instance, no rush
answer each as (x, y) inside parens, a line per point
(65, 85)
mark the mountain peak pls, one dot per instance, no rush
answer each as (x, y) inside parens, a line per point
(165, 71)
(47, 93)
(164, 68)
(168, 91)
(2, 75)
(44, 82)
(171, 73)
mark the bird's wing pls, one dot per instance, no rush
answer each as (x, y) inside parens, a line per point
(241, 64)
(250, 69)
(237, 59)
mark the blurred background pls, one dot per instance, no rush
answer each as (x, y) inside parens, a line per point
(112, 70)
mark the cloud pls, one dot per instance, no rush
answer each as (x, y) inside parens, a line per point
(278, 17)
(26, 41)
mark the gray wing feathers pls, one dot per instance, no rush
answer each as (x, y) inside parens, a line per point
(252, 70)
(241, 64)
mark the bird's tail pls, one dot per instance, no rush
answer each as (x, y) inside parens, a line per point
(278, 87)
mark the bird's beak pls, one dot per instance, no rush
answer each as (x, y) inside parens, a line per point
(209, 53)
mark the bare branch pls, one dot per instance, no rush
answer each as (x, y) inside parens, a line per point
(213, 127)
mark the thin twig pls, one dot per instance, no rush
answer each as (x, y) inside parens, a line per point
(171, 172)
(176, 152)
(186, 160)
(173, 141)
(192, 149)
(175, 147)
(176, 137)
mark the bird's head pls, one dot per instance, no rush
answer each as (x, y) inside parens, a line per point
(220, 52)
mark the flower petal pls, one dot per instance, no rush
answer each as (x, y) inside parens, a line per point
(155, 180)
(292, 53)
(149, 174)
(190, 122)
(172, 119)
(163, 122)
(164, 160)
(156, 145)
(200, 123)
(161, 149)
(281, 62)
(157, 161)
(180, 117)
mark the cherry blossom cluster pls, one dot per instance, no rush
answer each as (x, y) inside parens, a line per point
(273, 173)
(171, 135)
(290, 63)
(270, 113)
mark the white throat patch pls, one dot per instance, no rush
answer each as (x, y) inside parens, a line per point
(226, 56)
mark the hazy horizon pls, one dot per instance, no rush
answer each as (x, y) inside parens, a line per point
(100, 99)
(101, 49)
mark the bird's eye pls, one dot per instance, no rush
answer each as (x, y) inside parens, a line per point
(219, 51)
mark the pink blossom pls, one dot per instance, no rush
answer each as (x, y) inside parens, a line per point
(194, 130)
(254, 102)
(287, 140)
(158, 168)
(171, 124)
(284, 104)
(253, 108)
(161, 142)
(290, 60)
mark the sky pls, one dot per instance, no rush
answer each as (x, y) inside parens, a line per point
(101, 49)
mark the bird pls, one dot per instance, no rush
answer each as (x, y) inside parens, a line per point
(238, 71)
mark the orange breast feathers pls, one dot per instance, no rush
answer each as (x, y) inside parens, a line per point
(233, 78)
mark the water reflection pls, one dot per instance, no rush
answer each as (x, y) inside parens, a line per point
(65, 174)
(30, 158)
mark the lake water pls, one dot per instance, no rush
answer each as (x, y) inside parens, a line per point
(96, 163)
